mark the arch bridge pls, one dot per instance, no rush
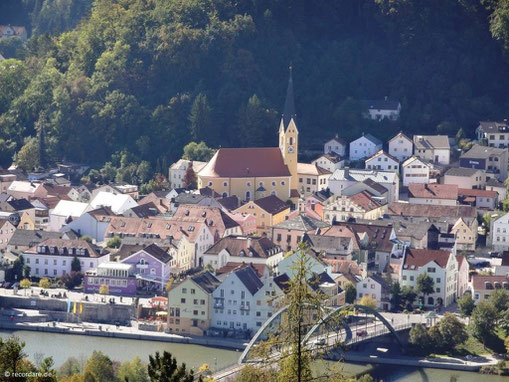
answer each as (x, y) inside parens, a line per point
(338, 326)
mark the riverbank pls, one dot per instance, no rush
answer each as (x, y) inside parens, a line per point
(446, 363)
(122, 332)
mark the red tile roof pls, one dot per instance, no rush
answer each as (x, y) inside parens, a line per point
(246, 162)
(475, 192)
(432, 211)
(420, 257)
(433, 191)
(488, 282)
(364, 199)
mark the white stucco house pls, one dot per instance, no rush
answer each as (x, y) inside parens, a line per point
(53, 257)
(178, 171)
(500, 233)
(377, 288)
(244, 300)
(64, 212)
(118, 203)
(343, 179)
(441, 266)
(416, 170)
(382, 161)
(401, 147)
(433, 148)
(364, 146)
(335, 146)
(92, 223)
(382, 109)
(329, 162)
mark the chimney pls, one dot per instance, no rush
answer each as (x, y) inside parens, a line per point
(347, 172)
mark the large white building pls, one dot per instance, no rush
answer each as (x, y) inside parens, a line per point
(441, 266)
(344, 178)
(364, 147)
(92, 223)
(64, 212)
(118, 203)
(401, 147)
(244, 300)
(53, 257)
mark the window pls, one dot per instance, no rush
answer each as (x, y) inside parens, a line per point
(184, 290)
(182, 300)
(193, 291)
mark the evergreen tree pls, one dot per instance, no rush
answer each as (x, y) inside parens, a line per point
(166, 369)
(41, 140)
(201, 119)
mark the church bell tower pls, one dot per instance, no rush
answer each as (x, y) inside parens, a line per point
(289, 135)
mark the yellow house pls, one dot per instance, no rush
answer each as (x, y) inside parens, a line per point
(268, 211)
(26, 222)
(466, 234)
(256, 172)
(190, 304)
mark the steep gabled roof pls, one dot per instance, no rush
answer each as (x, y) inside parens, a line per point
(206, 281)
(250, 279)
(158, 253)
(415, 258)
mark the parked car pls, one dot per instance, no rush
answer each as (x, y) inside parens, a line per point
(362, 333)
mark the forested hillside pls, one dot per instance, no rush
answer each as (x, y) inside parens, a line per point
(145, 77)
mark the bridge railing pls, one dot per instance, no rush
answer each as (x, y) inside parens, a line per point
(383, 330)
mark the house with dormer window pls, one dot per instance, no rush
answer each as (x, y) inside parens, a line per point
(53, 257)
(483, 286)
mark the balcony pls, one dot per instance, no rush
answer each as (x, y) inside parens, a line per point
(219, 305)
(245, 307)
(142, 266)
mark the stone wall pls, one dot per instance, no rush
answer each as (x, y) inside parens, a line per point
(57, 309)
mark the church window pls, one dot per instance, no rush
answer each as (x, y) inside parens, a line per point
(283, 183)
(210, 184)
(291, 140)
(273, 184)
(248, 184)
(225, 184)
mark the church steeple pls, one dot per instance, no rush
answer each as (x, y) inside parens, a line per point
(289, 135)
(289, 109)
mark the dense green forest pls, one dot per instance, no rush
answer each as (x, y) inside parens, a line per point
(131, 80)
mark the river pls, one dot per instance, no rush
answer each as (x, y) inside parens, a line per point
(63, 346)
